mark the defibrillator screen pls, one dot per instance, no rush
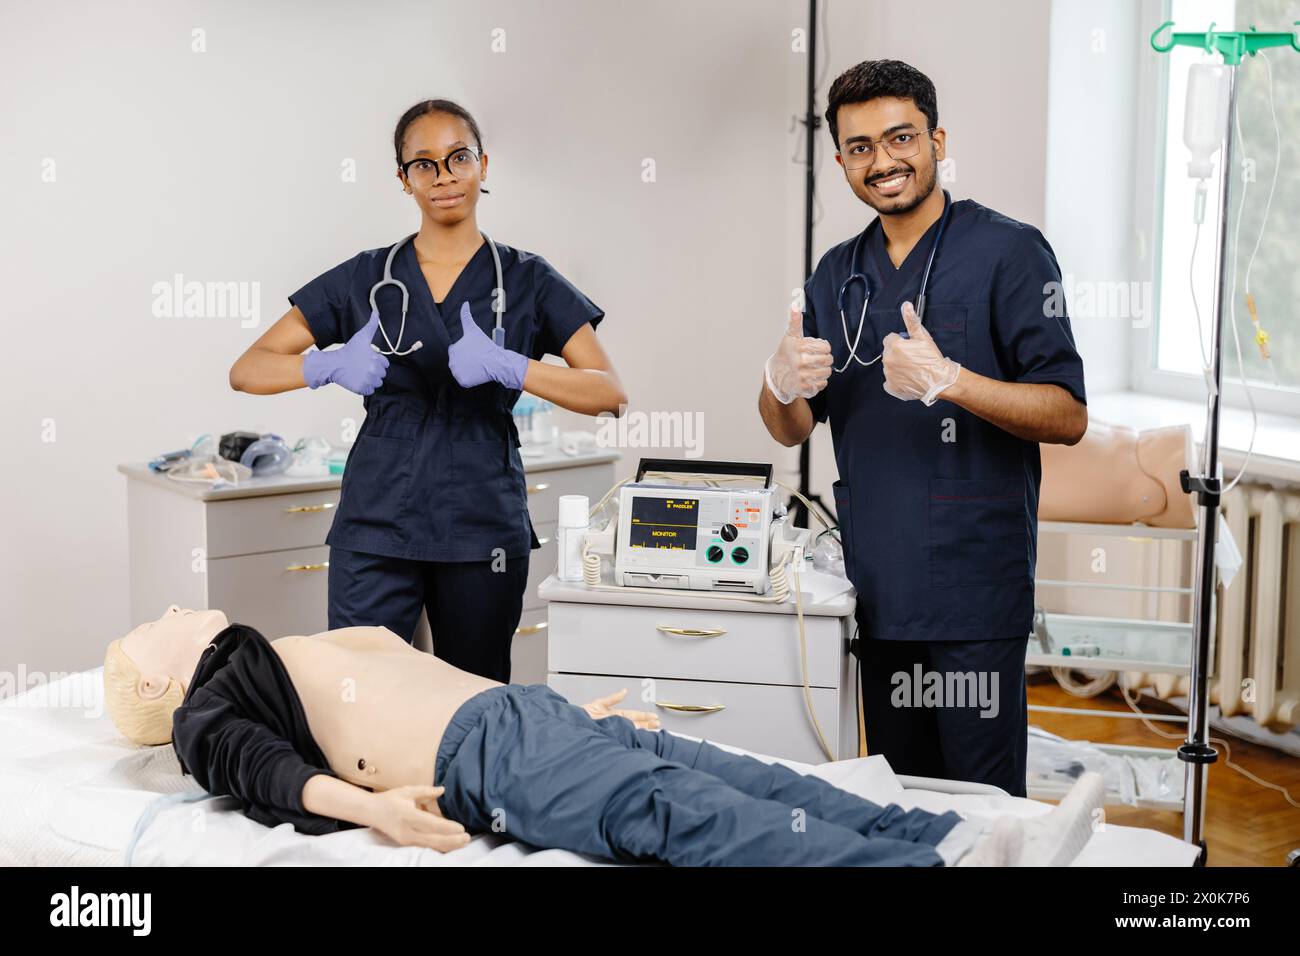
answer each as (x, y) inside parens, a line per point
(668, 523)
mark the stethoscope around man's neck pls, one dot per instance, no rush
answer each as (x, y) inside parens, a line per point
(866, 285)
(498, 300)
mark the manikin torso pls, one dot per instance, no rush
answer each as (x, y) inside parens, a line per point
(376, 706)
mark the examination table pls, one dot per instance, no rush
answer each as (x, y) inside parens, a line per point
(73, 791)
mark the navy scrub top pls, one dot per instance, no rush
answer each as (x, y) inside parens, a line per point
(938, 509)
(435, 474)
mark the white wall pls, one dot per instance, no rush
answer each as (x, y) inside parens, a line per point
(226, 165)
(1092, 186)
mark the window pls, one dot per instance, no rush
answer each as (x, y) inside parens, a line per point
(1172, 362)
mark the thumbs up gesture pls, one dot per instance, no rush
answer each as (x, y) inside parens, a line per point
(914, 366)
(801, 366)
(474, 358)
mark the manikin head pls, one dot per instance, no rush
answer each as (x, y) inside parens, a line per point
(147, 671)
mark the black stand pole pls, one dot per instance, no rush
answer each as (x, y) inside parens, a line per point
(811, 123)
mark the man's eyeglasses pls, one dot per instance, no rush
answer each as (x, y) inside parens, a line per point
(460, 163)
(900, 145)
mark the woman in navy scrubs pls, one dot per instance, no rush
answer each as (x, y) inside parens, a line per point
(433, 511)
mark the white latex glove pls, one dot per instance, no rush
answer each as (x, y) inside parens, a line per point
(914, 366)
(801, 366)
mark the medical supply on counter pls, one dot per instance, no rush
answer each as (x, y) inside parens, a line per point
(215, 471)
(267, 456)
(310, 458)
(498, 301)
(577, 443)
(169, 460)
(233, 444)
(535, 422)
(571, 530)
(828, 552)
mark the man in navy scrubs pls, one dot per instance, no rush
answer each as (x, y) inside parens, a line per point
(936, 423)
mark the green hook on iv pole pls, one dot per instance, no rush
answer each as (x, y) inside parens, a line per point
(1233, 45)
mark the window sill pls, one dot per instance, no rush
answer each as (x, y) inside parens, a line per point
(1276, 456)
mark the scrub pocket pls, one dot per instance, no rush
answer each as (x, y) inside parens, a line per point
(979, 532)
(947, 326)
(487, 495)
(377, 483)
(844, 512)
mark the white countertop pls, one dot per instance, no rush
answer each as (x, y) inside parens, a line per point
(552, 458)
(813, 583)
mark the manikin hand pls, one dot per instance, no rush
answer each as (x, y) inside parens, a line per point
(474, 358)
(410, 816)
(604, 707)
(801, 366)
(356, 366)
(914, 366)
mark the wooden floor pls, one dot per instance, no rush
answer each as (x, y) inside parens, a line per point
(1245, 824)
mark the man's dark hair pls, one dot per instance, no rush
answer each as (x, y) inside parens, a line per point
(872, 79)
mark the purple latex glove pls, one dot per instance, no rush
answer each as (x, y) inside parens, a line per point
(356, 366)
(476, 359)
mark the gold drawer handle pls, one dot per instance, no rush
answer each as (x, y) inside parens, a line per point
(531, 629)
(533, 489)
(692, 631)
(324, 565)
(303, 509)
(690, 708)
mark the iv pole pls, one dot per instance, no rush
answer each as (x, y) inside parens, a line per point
(1196, 751)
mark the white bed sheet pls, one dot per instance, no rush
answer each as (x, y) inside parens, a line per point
(72, 790)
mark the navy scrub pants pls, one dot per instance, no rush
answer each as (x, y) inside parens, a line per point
(522, 761)
(473, 609)
(952, 741)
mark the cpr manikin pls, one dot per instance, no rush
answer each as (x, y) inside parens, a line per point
(385, 719)
(1118, 475)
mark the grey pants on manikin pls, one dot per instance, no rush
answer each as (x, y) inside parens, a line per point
(523, 761)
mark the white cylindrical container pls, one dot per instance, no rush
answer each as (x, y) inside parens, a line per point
(573, 524)
(543, 423)
(1205, 121)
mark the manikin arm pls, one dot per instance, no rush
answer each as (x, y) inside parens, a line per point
(407, 815)
(232, 755)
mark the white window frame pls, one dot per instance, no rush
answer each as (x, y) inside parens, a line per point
(1153, 113)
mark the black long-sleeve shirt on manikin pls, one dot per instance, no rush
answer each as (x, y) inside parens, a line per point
(242, 732)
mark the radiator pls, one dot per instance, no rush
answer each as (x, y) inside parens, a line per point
(1258, 638)
(1256, 669)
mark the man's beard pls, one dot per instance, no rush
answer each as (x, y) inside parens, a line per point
(924, 188)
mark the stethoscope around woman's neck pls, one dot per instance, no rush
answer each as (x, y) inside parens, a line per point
(498, 300)
(866, 285)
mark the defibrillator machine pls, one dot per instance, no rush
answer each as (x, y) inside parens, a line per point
(709, 534)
